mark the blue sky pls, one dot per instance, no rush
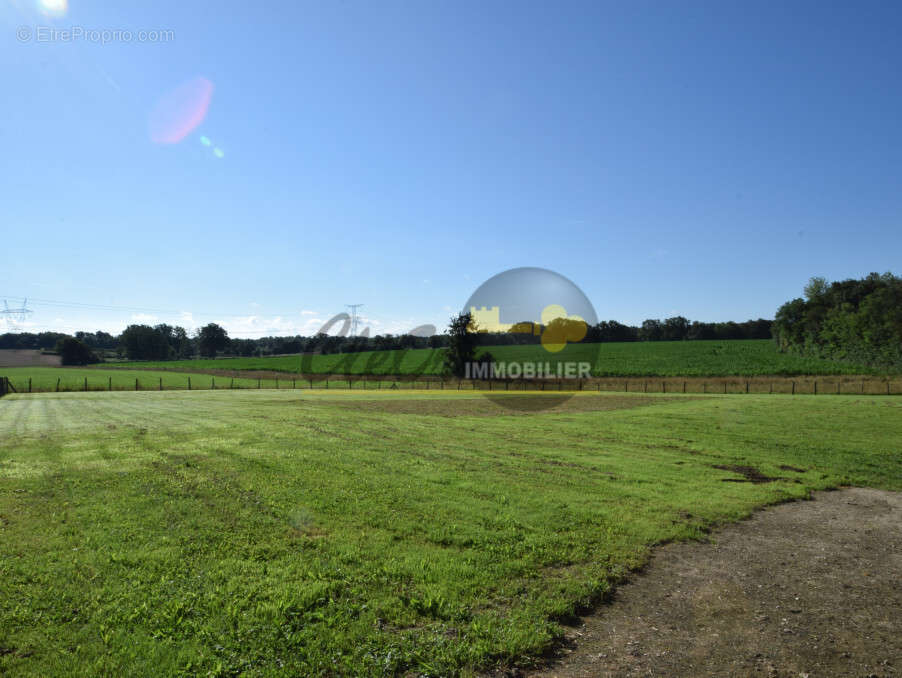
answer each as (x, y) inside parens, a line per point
(702, 159)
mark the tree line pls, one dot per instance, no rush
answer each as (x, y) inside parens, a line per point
(854, 320)
(171, 342)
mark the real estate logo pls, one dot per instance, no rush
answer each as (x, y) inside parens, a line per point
(543, 304)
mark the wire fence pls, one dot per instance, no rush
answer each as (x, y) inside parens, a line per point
(700, 386)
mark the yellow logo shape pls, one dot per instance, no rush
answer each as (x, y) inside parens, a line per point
(560, 328)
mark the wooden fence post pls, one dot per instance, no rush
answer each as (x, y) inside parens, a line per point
(136, 384)
(57, 384)
(258, 382)
(189, 383)
(725, 387)
(212, 383)
(793, 388)
(86, 384)
(29, 384)
(746, 387)
(704, 387)
(232, 383)
(161, 383)
(684, 387)
(292, 384)
(815, 387)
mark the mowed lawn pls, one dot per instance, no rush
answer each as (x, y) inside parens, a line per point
(98, 379)
(648, 358)
(348, 533)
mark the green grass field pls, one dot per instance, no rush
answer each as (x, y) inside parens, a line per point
(348, 533)
(74, 379)
(661, 358)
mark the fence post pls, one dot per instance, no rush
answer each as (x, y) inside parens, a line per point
(232, 383)
(277, 383)
(212, 383)
(887, 388)
(838, 387)
(349, 384)
(86, 384)
(327, 383)
(646, 386)
(458, 384)
(704, 387)
(258, 382)
(746, 387)
(136, 384)
(626, 387)
(29, 384)
(725, 387)
(793, 388)
(663, 387)
(161, 383)
(311, 383)
(815, 387)
(292, 384)
(189, 383)
(57, 384)
(684, 387)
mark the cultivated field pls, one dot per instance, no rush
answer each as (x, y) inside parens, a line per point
(15, 357)
(658, 358)
(350, 533)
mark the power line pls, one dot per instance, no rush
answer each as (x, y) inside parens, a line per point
(135, 309)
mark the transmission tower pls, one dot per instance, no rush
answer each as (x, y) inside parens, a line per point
(12, 316)
(354, 319)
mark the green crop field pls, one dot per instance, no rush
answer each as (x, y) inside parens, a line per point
(659, 358)
(73, 379)
(348, 533)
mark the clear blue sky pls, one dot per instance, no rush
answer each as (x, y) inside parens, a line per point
(704, 159)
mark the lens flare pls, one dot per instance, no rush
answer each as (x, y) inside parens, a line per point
(180, 111)
(53, 7)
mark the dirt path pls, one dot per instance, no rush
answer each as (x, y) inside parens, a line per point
(803, 589)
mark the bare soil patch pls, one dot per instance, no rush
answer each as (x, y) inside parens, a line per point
(749, 474)
(809, 588)
(16, 357)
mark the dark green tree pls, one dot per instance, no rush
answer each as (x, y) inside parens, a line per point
(211, 339)
(461, 344)
(74, 352)
(142, 342)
